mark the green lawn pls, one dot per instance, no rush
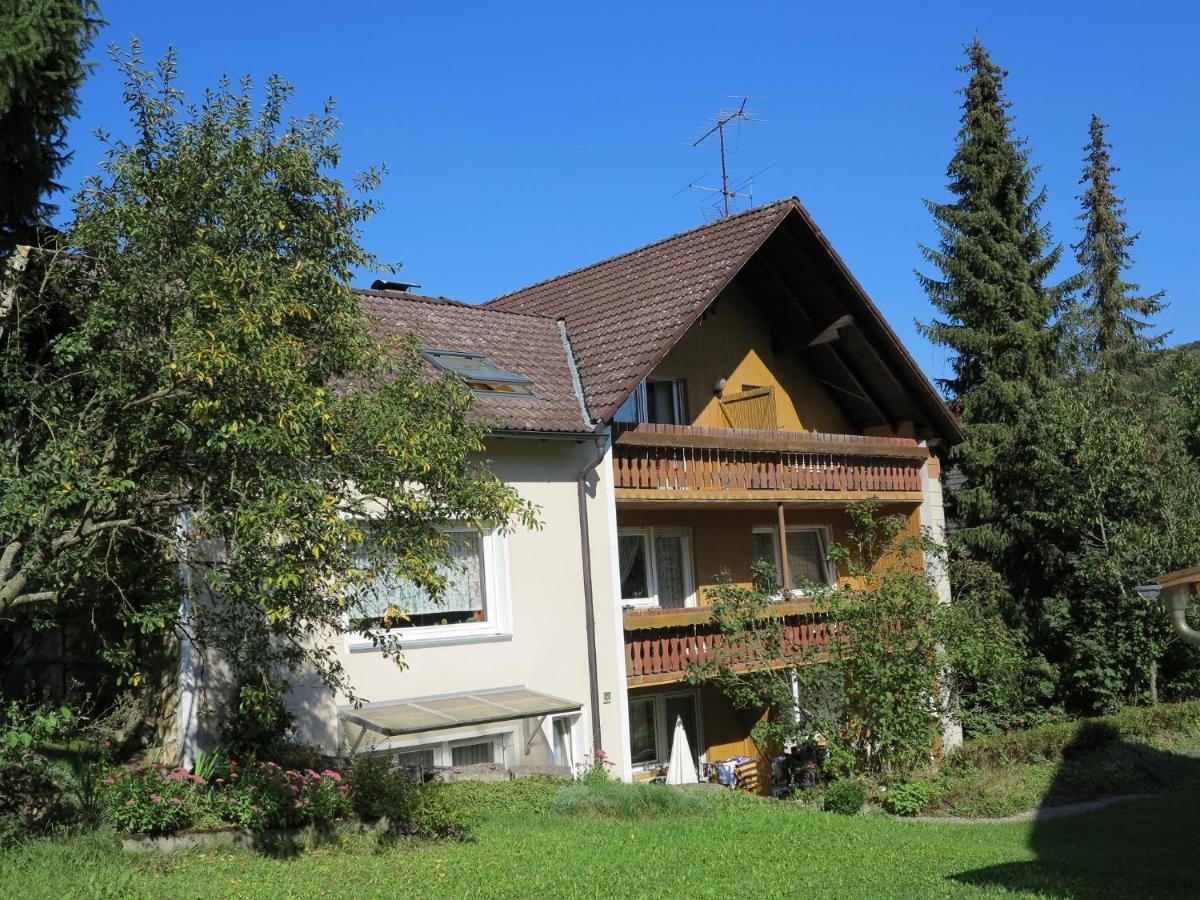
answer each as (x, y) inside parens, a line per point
(1141, 849)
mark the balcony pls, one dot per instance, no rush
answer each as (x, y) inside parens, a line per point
(660, 643)
(674, 463)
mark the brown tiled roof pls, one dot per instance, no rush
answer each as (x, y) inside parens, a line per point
(625, 313)
(523, 344)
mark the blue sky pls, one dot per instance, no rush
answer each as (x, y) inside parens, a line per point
(524, 140)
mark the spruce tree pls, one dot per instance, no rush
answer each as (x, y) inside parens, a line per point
(997, 316)
(1114, 315)
(42, 45)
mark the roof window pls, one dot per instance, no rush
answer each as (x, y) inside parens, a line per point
(481, 373)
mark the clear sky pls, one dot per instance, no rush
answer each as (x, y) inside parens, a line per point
(524, 140)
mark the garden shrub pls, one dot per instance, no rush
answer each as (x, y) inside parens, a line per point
(1139, 725)
(435, 810)
(31, 797)
(909, 798)
(618, 800)
(522, 796)
(844, 797)
(153, 800)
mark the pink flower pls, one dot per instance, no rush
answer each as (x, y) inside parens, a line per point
(176, 801)
(343, 788)
(331, 775)
(156, 798)
(254, 808)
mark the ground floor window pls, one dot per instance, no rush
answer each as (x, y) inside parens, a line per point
(652, 720)
(563, 748)
(466, 752)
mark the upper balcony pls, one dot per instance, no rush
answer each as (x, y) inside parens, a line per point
(680, 463)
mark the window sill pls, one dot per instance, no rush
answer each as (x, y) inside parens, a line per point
(358, 644)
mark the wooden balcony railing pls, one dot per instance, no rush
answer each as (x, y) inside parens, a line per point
(679, 462)
(659, 644)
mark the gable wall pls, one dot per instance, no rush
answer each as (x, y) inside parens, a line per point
(734, 342)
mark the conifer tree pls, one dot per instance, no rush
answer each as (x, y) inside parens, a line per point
(42, 45)
(1114, 315)
(997, 313)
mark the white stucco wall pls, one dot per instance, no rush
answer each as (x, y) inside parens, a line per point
(546, 650)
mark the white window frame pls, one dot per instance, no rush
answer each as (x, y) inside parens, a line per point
(664, 730)
(648, 533)
(824, 538)
(497, 604)
(571, 721)
(501, 739)
(641, 399)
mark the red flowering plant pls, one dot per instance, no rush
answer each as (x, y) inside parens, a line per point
(154, 799)
(265, 795)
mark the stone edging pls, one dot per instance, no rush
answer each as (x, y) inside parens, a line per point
(225, 837)
(1044, 814)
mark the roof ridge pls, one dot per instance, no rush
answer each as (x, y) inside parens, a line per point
(447, 301)
(757, 209)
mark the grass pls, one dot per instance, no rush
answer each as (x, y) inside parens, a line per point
(758, 849)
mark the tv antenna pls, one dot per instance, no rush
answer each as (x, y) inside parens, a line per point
(743, 188)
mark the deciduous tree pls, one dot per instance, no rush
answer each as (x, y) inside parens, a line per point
(186, 375)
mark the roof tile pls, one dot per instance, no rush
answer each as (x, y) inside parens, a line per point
(624, 313)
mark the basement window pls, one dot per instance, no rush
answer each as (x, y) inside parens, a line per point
(481, 373)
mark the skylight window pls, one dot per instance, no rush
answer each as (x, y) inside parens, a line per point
(481, 373)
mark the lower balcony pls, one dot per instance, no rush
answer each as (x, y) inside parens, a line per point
(661, 643)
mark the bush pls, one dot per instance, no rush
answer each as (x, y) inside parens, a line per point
(265, 795)
(523, 796)
(30, 796)
(1138, 725)
(617, 800)
(908, 799)
(844, 797)
(153, 800)
(435, 810)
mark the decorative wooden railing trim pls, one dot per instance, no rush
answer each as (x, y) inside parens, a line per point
(700, 438)
(662, 655)
(638, 619)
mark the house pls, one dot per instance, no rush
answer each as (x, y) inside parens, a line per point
(676, 412)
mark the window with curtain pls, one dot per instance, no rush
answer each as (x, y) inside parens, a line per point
(388, 600)
(655, 567)
(668, 567)
(635, 566)
(806, 554)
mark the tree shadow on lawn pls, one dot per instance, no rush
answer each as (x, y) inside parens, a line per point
(1137, 848)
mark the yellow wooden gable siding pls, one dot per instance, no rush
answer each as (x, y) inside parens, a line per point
(733, 342)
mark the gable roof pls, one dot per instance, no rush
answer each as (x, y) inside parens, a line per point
(625, 313)
(527, 345)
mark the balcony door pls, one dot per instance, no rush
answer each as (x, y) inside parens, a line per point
(656, 567)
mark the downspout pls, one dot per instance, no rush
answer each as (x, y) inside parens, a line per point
(585, 546)
(1176, 603)
(589, 605)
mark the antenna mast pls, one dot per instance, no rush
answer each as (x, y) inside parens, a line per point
(725, 118)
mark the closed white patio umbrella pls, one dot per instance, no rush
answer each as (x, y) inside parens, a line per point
(682, 769)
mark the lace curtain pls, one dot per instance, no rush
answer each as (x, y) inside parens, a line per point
(668, 561)
(464, 584)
